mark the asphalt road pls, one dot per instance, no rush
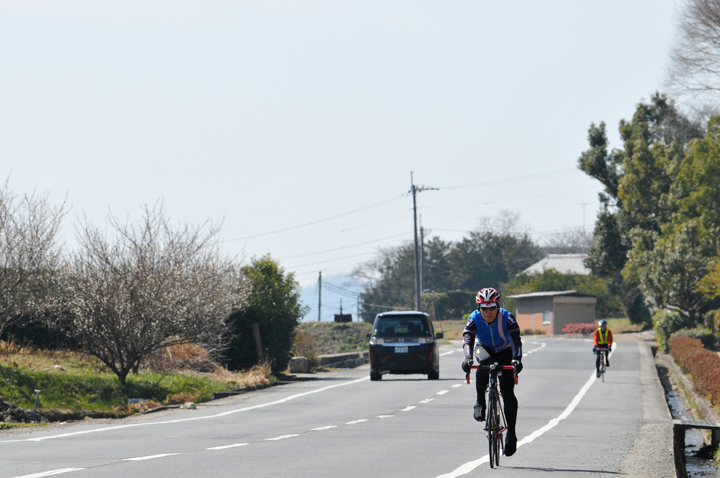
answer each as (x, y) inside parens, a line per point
(340, 424)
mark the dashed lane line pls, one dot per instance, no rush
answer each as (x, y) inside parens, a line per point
(150, 457)
(225, 447)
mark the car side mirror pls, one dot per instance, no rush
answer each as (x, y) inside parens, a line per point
(439, 335)
(367, 337)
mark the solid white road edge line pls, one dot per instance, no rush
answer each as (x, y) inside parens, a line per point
(50, 473)
(471, 465)
(180, 420)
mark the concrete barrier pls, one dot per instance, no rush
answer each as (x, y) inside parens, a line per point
(345, 360)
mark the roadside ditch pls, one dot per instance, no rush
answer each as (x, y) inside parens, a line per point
(685, 405)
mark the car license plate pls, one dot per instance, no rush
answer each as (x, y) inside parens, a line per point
(401, 350)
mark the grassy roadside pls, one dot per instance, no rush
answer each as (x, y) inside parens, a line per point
(73, 382)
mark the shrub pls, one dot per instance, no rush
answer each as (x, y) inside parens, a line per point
(532, 332)
(666, 323)
(702, 364)
(579, 328)
(709, 340)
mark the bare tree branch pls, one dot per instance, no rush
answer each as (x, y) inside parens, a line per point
(695, 58)
(149, 287)
(29, 254)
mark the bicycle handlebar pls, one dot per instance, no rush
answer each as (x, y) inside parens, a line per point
(493, 367)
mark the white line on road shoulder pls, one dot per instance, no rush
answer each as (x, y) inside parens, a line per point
(357, 421)
(408, 408)
(50, 473)
(319, 429)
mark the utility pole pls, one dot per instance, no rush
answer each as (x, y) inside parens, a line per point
(414, 190)
(319, 296)
(583, 204)
(422, 257)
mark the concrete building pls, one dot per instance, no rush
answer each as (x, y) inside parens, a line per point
(549, 311)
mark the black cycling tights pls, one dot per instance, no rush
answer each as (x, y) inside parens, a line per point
(507, 382)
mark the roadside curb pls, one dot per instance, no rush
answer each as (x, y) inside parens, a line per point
(652, 453)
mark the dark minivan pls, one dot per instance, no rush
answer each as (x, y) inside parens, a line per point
(404, 343)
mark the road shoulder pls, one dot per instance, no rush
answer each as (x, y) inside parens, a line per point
(652, 452)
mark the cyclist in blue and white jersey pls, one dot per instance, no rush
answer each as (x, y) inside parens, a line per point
(498, 336)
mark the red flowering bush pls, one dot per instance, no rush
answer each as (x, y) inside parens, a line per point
(579, 328)
(702, 364)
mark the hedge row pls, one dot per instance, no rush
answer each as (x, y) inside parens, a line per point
(579, 328)
(702, 364)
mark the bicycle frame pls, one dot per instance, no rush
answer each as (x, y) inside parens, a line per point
(600, 360)
(495, 423)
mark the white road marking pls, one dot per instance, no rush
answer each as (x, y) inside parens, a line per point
(227, 446)
(408, 408)
(357, 421)
(50, 473)
(281, 437)
(457, 385)
(427, 400)
(442, 392)
(542, 346)
(150, 457)
(180, 420)
(319, 429)
(385, 416)
(471, 465)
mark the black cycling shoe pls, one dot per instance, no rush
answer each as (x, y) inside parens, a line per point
(479, 412)
(607, 363)
(510, 445)
(597, 374)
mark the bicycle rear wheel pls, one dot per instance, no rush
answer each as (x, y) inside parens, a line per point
(492, 427)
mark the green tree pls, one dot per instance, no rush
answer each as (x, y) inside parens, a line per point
(638, 198)
(273, 302)
(453, 272)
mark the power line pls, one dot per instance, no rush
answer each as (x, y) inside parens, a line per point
(382, 203)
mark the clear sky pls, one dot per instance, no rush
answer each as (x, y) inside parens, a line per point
(298, 123)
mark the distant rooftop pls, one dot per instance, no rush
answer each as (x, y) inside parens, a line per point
(565, 263)
(561, 293)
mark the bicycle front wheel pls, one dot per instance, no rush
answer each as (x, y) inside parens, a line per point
(492, 427)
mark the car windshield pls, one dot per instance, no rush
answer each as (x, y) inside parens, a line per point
(401, 326)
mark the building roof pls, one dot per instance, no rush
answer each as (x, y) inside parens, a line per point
(565, 263)
(561, 293)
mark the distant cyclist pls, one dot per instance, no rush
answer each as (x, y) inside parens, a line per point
(602, 339)
(498, 337)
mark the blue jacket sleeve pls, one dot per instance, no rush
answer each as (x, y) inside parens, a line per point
(514, 331)
(469, 337)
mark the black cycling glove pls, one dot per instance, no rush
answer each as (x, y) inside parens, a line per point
(518, 365)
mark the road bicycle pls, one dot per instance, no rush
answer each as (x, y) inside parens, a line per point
(495, 422)
(600, 364)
